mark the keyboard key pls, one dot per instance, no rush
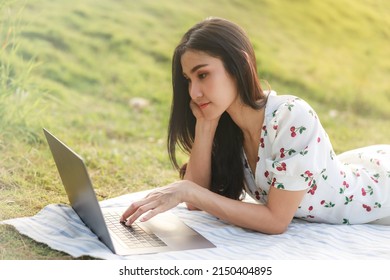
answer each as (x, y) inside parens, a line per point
(133, 235)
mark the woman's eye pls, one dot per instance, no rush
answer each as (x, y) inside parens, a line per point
(202, 76)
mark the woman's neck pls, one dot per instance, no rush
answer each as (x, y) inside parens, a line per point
(249, 120)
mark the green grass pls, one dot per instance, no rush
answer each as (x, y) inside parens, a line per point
(72, 67)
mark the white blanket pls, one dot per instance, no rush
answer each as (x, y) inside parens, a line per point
(59, 227)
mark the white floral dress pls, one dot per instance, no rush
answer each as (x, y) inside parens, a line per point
(295, 154)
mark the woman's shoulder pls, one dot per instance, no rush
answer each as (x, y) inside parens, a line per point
(285, 103)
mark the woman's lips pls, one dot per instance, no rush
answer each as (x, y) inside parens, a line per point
(204, 105)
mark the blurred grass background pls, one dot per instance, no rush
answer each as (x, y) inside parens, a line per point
(75, 68)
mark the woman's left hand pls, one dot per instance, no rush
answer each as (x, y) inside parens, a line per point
(158, 201)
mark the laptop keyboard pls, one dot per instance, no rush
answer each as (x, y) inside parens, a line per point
(134, 236)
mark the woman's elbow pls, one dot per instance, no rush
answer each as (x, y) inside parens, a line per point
(191, 207)
(278, 230)
(275, 228)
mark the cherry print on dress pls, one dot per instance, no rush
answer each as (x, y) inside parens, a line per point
(375, 178)
(265, 130)
(304, 151)
(294, 130)
(279, 166)
(327, 204)
(283, 152)
(367, 207)
(369, 191)
(348, 199)
(309, 178)
(276, 184)
(324, 175)
(282, 155)
(375, 161)
(266, 174)
(310, 209)
(259, 193)
(346, 221)
(345, 186)
(262, 142)
(356, 172)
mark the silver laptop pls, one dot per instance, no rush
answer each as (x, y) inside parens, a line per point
(165, 232)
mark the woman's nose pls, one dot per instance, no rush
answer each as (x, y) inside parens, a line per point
(195, 91)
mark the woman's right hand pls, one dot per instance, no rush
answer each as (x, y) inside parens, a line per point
(196, 110)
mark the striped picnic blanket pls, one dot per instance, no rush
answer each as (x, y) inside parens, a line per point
(58, 226)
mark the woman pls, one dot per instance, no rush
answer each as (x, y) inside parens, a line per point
(243, 139)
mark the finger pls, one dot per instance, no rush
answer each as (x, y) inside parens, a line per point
(132, 208)
(140, 211)
(150, 215)
(135, 205)
(154, 212)
(129, 211)
(193, 105)
(157, 210)
(195, 109)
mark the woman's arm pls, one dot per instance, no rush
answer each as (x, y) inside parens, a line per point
(198, 169)
(199, 165)
(272, 218)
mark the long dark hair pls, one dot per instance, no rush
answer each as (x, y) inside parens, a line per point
(227, 41)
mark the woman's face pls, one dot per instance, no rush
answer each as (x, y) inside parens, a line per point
(210, 86)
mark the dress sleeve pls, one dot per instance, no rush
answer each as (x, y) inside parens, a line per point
(298, 147)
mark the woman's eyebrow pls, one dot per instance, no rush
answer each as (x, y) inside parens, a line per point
(196, 68)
